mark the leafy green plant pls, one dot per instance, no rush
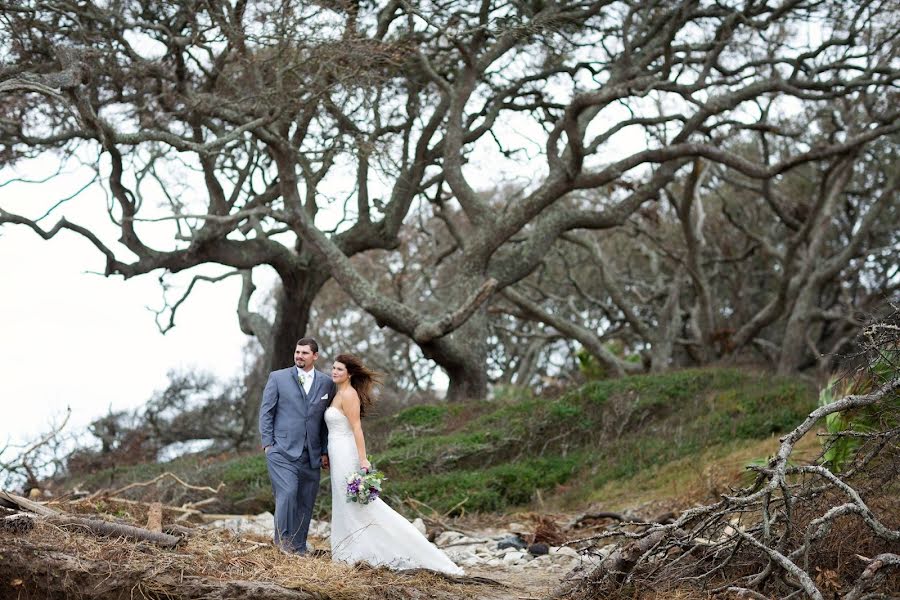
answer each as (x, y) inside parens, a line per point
(424, 416)
(840, 449)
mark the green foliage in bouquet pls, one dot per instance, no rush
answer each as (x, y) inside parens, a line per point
(364, 486)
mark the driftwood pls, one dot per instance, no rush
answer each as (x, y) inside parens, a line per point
(755, 527)
(157, 479)
(186, 512)
(620, 563)
(95, 526)
(210, 517)
(105, 528)
(595, 516)
(18, 502)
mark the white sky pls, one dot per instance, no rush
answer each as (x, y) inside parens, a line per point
(70, 337)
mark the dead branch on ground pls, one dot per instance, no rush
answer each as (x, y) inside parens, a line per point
(773, 537)
(95, 526)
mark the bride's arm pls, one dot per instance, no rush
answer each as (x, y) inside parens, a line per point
(351, 409)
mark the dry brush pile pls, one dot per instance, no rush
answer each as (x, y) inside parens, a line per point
(77, 548)
(824, 529)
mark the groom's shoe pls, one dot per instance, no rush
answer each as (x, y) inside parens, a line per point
(290, 551)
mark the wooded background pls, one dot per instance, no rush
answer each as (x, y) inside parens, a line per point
(507, 192)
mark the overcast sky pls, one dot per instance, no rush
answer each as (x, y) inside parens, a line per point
(72, 338)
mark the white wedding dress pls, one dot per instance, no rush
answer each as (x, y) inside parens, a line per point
(371, 532)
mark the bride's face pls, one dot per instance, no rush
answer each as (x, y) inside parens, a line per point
(339, 372)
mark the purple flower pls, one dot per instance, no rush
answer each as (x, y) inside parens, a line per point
(364, 487)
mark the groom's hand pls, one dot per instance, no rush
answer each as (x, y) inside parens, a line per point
(325, 461)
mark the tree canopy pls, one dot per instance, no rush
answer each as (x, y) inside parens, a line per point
(595, 167)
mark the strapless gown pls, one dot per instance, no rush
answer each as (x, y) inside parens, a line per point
(373, 532)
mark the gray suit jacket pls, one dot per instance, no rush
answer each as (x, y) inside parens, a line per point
(290, 419)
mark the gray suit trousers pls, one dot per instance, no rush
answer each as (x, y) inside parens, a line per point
(294, 484)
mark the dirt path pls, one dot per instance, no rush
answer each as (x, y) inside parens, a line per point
(518, 584)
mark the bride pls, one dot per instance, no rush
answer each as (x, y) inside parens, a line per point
(371, 532)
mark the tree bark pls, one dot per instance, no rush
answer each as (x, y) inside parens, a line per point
(293, 305)
(463, 356)
(793, 345)
(105, 528)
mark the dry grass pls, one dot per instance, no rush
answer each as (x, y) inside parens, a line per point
(210, 556)
(698, 478)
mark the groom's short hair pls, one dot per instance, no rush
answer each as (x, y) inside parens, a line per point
(313, 344)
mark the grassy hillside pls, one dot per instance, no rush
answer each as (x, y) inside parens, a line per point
(492, 455)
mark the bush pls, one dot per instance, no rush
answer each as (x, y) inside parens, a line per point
(491, 456)
(424, 415)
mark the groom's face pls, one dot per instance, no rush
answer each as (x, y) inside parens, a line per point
(304, 357)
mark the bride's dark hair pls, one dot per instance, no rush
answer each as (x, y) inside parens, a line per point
(362, 378)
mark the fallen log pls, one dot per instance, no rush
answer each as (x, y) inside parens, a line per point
(620, 563)
(596, 516)
(140, 484)
(107, 529)
(18, 502)
(95, 526)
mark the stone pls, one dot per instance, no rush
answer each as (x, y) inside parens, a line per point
(563, 551)
(539, 549)
(419, 524)
(262, 524)
(321, 529)
(448, 537)
(461, 554)
(511, 541)
(513, 557)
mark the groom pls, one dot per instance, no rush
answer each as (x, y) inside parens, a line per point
(295, 440)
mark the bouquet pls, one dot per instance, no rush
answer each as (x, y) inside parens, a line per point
(364, 486)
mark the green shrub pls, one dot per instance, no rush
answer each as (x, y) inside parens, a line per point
(492, 455)
(486, 490)
(564, 411)
(841, 449)
(424, 415)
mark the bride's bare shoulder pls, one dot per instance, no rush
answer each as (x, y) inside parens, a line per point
(347, 394)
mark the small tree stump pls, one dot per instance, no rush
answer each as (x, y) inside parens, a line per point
(154, 517)
(17, 524)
